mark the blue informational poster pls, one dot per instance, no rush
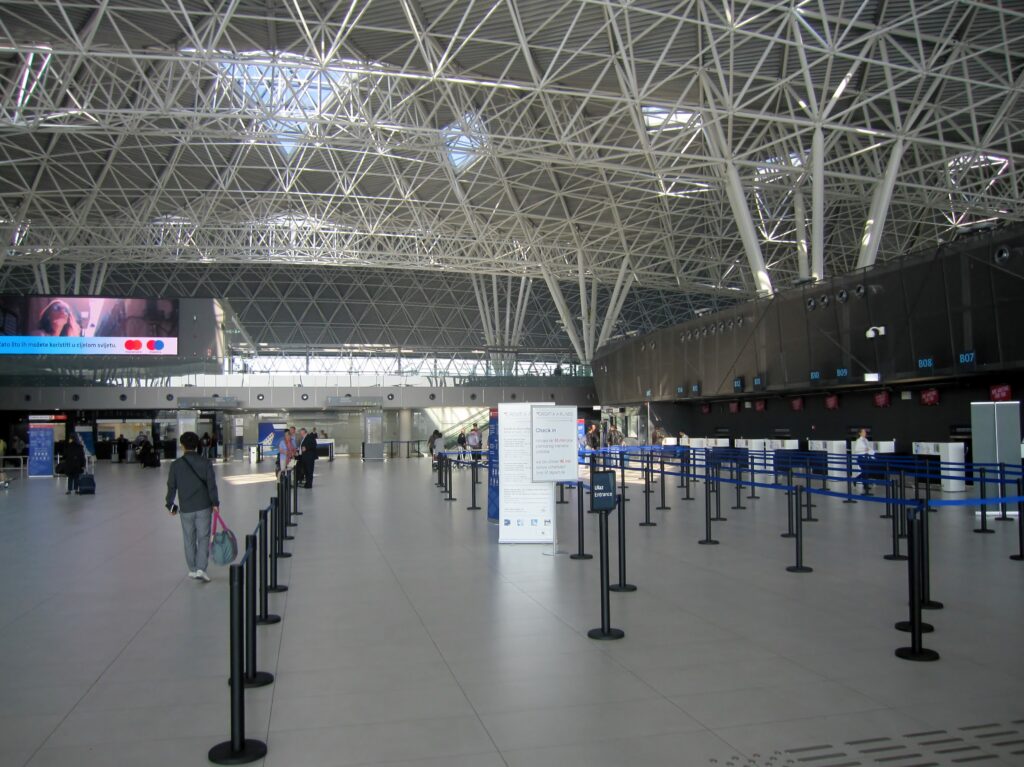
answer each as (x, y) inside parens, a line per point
(40, 450)
(269, 435)
(87, 440)
(492, 467)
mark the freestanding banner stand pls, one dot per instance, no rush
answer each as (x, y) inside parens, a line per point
(553, 432)
(603, 500)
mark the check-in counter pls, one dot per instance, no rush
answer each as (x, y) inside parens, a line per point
(947, 452)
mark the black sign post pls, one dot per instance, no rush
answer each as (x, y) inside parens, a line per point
(602, 500)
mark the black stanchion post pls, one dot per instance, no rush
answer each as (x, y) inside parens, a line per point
(605, 631)
(808, 476)
(799, 567)
(622, 476)
(688, 461)
(273, 548)
(293, 482)
(647, 509)
(561, 495)
(982, 496)
(810, 503)
(916, 651)
(1002, 494)
(890, 496)
(645, 468)
(752, 495)
(580, 553)
(889, 511)
(849, 479)
(790, 524)
(253, 678)
(716, 478)
(238, 750)
(622, 585)
(292, 498)
(472, 487)
(1019, 556)
(278, 514)
(681, 453)
(265, 617)
(707, 540)
(450, 498)
(737, 478)
(926, 568)
(661, 466)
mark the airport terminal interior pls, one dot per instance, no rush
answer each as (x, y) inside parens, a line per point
(653, 368)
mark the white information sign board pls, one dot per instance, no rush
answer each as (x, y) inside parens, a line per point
(527, 508)
(554, 444)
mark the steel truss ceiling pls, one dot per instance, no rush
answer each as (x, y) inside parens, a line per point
(312, 307)
(713, 148)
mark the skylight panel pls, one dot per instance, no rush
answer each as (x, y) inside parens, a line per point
(660, 119)
(778, 167)
(464, 140)
(292, 92)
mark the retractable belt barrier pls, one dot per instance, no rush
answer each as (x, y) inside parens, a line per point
(250, 583)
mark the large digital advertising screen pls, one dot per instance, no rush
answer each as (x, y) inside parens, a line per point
(87, 325)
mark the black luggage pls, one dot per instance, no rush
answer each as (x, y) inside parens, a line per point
(87, 484)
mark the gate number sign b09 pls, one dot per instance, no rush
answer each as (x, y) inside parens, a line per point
(602, 491)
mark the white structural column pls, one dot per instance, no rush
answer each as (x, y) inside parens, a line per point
(404, 425)
(800, 219)
(817, 204)
(879, 208)
(566, 316)
(745, 224)
(622, 286)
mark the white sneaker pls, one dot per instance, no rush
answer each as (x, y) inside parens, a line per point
(201, 575)
(192, 574)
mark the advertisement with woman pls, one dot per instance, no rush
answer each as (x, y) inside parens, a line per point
(75, 325)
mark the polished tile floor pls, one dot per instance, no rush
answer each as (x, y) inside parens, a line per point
(411, 638)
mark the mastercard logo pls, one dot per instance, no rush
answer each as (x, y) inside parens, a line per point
(134, 345)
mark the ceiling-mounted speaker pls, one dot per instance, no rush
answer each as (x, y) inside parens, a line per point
(1001, 256)
(811, 304)
(860, 291)
(842, 296)
(824, 300)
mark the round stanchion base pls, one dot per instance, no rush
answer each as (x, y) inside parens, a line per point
(1017, 557)
(931, 604)
(719, 519)
(561, 503)
(609, 634)
(984, 530)
(885, 516)
(923, 655)
(297, 513)
(904, 626)
(648, 524)
(450, 500)
(251, 751)
(581, 556)
(812, 519)
(268, 620)
(849, 500)
(287, 538)
(896, 557)
(259, 679)
(708, 542)
(1000, 519)
(787, 535)
(279, 589)
(622, 587)
(799, 569)
(283, 554)
(472, 508)
(290, 524)
(663, 508)
(753, 498)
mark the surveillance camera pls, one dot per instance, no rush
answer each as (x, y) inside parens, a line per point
(874, 331)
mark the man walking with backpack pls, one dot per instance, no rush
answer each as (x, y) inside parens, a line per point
(194, 481)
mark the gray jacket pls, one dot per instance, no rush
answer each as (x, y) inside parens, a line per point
(193, 480)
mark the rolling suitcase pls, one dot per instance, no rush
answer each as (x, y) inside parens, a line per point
(87, 484)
